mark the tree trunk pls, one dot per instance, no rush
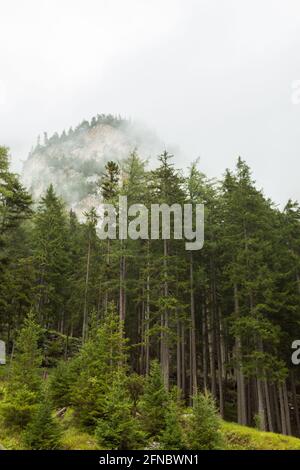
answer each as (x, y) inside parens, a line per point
(183, 384)
(165, 324)
(178, 355)
(276, 408)
(295, 402)
(268, 407)
(282, 410)
(261, 408)
(193, 353)
(204, 348)
(220, 368)
(211, 351)
(147, 320)
(287, 409)
(241, 396)
(122, 282)
(84, 323)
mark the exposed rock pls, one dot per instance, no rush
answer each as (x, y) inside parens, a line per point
(74, 161)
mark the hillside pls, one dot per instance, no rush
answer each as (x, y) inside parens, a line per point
(236, 437)
(245, 438)
(73, 161)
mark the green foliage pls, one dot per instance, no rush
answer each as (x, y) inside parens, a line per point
(247, 276)
(24, 376)
(135, 385)
(171, 437)
(109, 181)
(50, 249)
(18, 407)
(118, 429)
(15, 202)
(204, 427)
(61, 382)
(43, 432)
(100, 359)
(57, 346)
(154, 402)
(25, 369)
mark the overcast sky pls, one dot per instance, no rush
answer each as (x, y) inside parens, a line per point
(212, 76)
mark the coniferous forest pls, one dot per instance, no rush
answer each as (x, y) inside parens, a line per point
(142, 344)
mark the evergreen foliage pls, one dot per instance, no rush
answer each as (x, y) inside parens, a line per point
(146, 314)
(172, 437)
(117, 429)
(43, 432)
(24, 379)
(204, 427)
(154, 402)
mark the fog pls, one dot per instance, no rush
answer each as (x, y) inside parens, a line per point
(213, 78)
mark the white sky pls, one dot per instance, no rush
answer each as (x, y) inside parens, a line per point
(212, 76)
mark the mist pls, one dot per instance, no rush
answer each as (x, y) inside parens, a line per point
(212, 79)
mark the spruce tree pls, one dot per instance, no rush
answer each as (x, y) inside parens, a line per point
(102, 356)
(43, 432)
(171, 437)
(50, 253)
(154, 402)
(204, 427)
(24, 376)
(117, 429)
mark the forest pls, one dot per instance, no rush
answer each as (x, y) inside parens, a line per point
(142, 344)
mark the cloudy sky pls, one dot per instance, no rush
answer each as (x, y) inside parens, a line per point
(211, 76)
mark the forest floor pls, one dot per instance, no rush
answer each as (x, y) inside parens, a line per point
(236, 437)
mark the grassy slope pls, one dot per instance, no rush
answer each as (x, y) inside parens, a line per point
(243, 438)
(236, 438)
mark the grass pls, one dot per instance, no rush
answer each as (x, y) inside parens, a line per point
(9, 440)
(75, 439)
(236, 437)
(244, 438)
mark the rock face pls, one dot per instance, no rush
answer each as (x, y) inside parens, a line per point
(74, 161)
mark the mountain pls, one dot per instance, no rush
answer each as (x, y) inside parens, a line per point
(73, 161)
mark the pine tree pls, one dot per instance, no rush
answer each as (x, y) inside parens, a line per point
(24, 379)
(154, 401)
(91, 222)
(117, 429)
(108, 183)
(15, 210)
(100, 359)
(43, 432)
(166, 184)
(204, 427)
(15, 202)
(61, 380)
(51, 260)
(171, 437)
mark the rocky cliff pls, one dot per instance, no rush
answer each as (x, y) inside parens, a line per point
(74, 160)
